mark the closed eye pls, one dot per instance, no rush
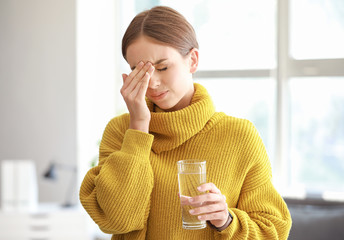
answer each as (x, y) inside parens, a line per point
(162, 69)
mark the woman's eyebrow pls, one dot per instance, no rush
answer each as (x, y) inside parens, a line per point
(156, 63)
(160, 61)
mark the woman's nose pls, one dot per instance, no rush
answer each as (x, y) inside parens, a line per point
(154, 81)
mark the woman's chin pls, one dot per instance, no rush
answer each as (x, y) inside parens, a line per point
(165, 107)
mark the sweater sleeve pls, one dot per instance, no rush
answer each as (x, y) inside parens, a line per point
(116, 193)
(260, 212)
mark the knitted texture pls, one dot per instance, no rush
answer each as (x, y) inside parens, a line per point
(133, 192)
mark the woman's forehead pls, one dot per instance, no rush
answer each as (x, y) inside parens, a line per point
(148, 51)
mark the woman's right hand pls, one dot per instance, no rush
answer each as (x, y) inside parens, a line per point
(134, 91)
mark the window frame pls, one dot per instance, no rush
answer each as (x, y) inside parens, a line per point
(286, 68)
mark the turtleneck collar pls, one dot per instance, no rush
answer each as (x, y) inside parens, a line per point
(171, 129)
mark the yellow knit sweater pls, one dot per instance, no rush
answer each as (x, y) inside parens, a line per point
(133, 192)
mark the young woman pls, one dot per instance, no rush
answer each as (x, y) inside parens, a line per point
(133, 192)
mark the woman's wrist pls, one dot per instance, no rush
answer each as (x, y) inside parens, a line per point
(139, 125)
(227, 223)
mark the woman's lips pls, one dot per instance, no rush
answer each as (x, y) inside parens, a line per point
(159, 95)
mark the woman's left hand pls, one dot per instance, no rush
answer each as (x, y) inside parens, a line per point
(211, 206)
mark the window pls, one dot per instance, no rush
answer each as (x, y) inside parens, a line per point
(317, 133)
(280, 64)
(319, 31)
(316, 96)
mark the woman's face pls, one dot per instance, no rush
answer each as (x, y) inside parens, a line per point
(171, 85)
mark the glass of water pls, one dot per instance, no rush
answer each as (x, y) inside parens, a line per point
(191, 174)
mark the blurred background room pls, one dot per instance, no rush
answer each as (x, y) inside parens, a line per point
(278, 63)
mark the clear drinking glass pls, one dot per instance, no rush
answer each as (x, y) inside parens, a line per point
(191, 174)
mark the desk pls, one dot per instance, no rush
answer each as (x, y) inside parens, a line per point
(48, 223)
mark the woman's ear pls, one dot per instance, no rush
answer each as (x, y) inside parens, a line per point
(193, 60)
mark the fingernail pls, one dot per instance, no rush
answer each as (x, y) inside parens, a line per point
(191, 200)
(191, 211)
(140, 64)
(199, 188)
(151, 68)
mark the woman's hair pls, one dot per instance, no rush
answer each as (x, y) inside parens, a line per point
(164, 25)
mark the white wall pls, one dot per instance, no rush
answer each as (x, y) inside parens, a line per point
(98, 48)
(38, 86)
(58, 82)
